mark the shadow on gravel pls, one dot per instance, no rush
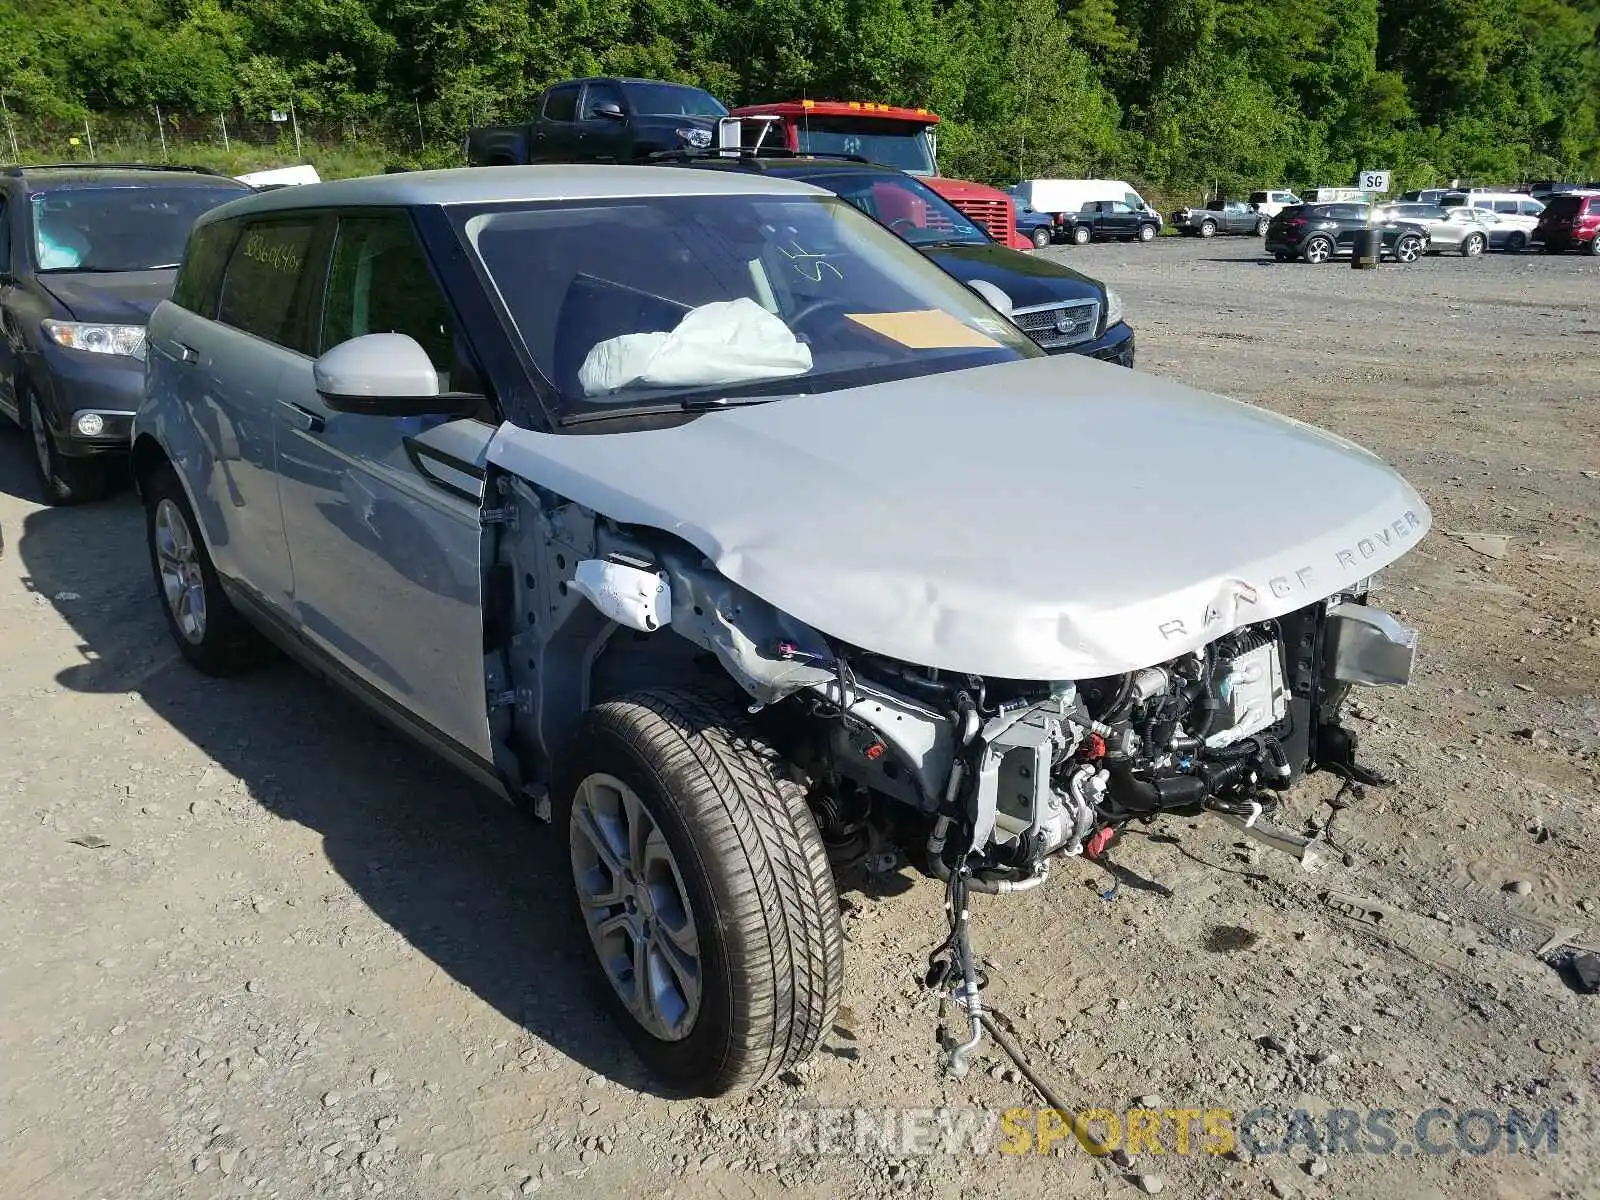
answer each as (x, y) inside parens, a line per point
(477, 888)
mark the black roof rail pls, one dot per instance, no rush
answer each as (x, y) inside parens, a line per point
(23, 168)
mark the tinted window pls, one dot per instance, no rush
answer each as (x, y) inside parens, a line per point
(379, 282)
(914, 211)
(262, 292)
(1258, 197)
(200, 277)
(1529, 208)
(597, 94)
(899, 144)
(561, 104)
(1505, 206)
(1347, 212)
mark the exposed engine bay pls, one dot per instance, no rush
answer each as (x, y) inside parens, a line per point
(984, 781)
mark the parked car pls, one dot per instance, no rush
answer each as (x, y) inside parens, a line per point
(1108, 220)
(1270, 204)
(1571, 221)
(1039, 228)
(1064, 311)
(1219, 216)
(86, 251)
(1319, 232)
(1456, 230)
(715, 700)
(1066, 196)
(606, 119)
(1511, 233)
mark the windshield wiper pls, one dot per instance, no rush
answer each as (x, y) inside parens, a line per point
(690, 405)
(943, 242)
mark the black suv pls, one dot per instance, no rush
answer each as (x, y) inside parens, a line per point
(1318, 232)
(1062, 310)
(86, 253)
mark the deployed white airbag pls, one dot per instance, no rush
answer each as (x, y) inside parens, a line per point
(727, 341)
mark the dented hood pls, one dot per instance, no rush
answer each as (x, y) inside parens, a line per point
(1045, 519)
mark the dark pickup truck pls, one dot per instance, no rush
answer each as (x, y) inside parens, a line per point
(602, 120)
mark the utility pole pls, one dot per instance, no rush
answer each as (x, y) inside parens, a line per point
(295, 121)
(88, 137)
(422, 138)
(222, 119)
(161, 131)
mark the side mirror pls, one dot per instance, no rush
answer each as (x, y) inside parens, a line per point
(382, 375)
(996, 298)
(611, 110)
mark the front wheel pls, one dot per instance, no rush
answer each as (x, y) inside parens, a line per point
(1318, 251)
(1408, 249)
(1208, 229)
(1474, 245)
(1148, 232)
(65, 480)
(703, 888)
(1081, 235)
(1592, 247)
(1041, 238)
(1517, 243)
(1261, 227)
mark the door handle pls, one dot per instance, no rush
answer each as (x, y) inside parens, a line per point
(186, 354)
(302, 418)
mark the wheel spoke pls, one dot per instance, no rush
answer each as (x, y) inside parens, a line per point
(674, 985)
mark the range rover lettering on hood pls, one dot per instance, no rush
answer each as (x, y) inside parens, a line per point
(1043, 519)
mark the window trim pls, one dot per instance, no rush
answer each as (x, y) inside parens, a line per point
(578, 117)
(577, 100)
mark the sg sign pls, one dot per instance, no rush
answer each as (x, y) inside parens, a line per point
(1373, 181)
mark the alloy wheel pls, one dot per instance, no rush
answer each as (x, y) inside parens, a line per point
(635, 906)
(178, 562)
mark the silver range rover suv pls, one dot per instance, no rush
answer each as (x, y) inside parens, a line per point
(703, 517)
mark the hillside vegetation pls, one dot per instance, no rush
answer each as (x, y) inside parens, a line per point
(1183, 95)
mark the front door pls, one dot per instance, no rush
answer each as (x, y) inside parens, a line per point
(382, 512)
(602, 138)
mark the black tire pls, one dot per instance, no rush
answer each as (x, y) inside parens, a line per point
(1473, 245)
(1040, 238)
(1318, 250)
(1081, 235)
(227, 644)
(1147, 233)
(754, 873)
(1592, 247)
(64, 480)
(1517, 243)
(1208, 229)
(1409, 248)
(1261, 227)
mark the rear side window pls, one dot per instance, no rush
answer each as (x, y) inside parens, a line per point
(561, 104)
(1529, 208)
(204, 261)
(1258, 197)
(263, 291)
(1505, 206)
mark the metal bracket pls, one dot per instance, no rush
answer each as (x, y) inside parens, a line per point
(506, 516)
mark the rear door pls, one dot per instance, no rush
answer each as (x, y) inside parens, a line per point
(382, 512)
(558, 125)
(227, 371)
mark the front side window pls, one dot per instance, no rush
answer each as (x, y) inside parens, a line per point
(379, 282)
(700, 299)
(899, 144)
(1529, 208)
(671, 100)
(594, 96)
(108, 227)
(264, 290)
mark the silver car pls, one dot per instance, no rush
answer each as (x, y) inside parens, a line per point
(1456, 230)
(704, 518)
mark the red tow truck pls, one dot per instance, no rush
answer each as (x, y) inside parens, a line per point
(903, 138)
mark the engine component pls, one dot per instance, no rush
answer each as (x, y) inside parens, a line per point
(1253, 695)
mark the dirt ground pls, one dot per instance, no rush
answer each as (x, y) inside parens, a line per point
(299, 958)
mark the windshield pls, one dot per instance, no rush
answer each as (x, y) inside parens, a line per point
(668, 100)
(110, 228)
(913, 210)
(899, 144)
(687, 300)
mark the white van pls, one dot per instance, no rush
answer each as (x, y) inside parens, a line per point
(1510, 204)
(1070, 195)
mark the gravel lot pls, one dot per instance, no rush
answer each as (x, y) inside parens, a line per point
(309, 961)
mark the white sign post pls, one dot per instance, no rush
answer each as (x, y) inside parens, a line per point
(1374, 181)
